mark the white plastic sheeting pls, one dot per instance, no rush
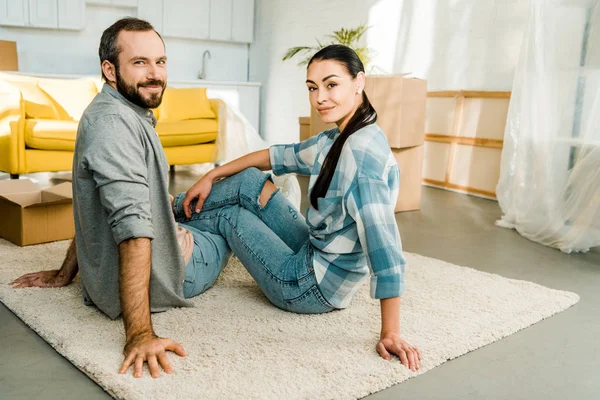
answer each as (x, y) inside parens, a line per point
(237, 137)
(549, 187)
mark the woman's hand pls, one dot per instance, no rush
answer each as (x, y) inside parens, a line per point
(200, 190)
(392, 343)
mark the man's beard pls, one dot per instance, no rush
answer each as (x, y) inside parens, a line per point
(132, 93)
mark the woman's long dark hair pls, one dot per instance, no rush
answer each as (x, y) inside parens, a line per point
(364, 115)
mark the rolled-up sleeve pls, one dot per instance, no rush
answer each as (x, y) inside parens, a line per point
(116, 160)
(372, 209)
(297, 158)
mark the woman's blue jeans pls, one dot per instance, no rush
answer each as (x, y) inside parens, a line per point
(272, 242)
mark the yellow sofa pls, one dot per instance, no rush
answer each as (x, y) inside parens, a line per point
(39, 117)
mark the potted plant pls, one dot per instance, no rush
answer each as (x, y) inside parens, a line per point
(347, 37)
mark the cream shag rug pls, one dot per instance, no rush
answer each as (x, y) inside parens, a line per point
(239, 346)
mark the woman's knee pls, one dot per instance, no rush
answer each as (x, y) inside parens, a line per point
(252, 173)
(257, 182)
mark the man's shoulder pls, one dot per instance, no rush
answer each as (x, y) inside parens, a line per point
(108, 116)
(102, 105)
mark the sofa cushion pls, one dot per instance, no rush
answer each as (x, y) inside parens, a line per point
(184, 104)
(71, 96)
(183, 133)
(37, 103)
(50, 134)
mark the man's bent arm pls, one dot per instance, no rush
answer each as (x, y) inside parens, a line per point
(51, 278)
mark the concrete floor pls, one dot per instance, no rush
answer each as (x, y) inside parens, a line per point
(558, 358)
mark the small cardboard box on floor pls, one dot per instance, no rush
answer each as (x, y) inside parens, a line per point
(400, 103)
(29, 215)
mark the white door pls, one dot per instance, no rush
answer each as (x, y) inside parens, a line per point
(243, 21)
(43, 13)
(186, 18)
(152, 11)
(220, 19)
(14, 12)
(71, 14)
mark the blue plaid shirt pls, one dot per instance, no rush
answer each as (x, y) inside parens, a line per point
(354, 232)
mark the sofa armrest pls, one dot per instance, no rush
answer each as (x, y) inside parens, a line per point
(12, 128)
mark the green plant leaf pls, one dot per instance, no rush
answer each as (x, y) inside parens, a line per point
(346, 37)
(295, 50)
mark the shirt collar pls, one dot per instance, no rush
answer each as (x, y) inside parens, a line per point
(145, 113)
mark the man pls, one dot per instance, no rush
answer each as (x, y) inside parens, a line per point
(132, 257)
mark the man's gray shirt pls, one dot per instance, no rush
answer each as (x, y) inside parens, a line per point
(120, 192)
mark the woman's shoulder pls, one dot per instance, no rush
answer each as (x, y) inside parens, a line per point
(369, 138)
(371, 151)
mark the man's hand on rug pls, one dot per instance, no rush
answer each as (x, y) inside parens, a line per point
(150, 349)
(392, 343)
(43, 279)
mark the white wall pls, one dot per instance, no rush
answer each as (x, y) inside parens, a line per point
(76, 52)
(454, 44)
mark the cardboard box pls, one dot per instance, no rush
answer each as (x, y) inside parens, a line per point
(316, 124)
(32, 216)
(400, 103)
(304, 128)
(410, 162)
(9, 60)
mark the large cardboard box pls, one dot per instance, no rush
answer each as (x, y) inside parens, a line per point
(410, 162)
(400, 103)
(31, 216)
(8, 56)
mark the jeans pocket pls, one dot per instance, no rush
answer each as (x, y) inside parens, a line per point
(310, 302)
(304, 270)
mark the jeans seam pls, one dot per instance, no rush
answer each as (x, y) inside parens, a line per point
(322, 298)
(249, 200)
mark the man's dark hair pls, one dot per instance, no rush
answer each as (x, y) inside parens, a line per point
(109, 47)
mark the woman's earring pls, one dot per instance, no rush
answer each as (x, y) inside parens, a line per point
(359, 91)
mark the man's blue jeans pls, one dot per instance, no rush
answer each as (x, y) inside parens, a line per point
(271, 241)
(211, 254)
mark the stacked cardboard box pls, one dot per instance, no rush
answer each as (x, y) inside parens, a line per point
(400, 103)
(32, 216)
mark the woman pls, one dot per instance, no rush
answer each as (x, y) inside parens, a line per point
(317, 265)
